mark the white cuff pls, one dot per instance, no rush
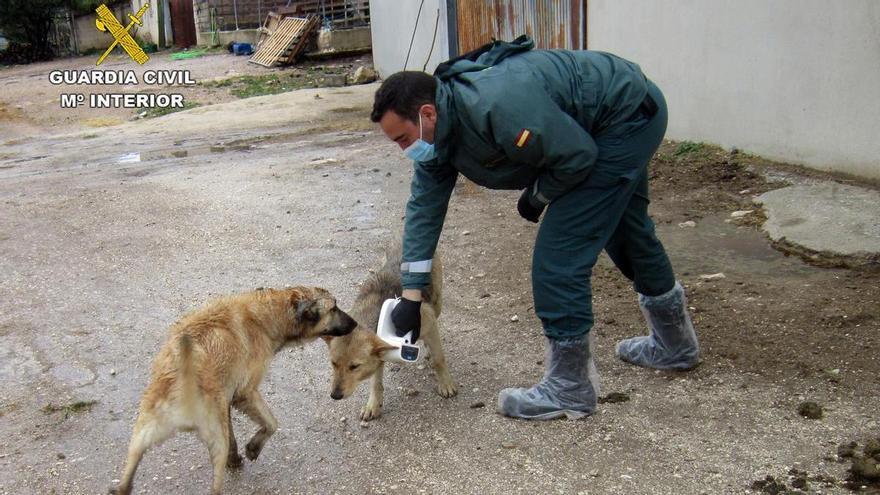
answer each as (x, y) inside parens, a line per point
(416, 266)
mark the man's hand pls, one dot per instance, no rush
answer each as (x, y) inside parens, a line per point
(406, 316)
(527, 208)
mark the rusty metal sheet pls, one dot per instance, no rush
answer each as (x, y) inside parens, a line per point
(552, 23)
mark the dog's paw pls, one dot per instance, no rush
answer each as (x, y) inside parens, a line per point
(252, 450)
(234, 460)
(118, 490)
(447, 388)
(371, 412)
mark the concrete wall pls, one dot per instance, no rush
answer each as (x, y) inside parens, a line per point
(392, 23)
(88, 36)
(204, 38)
(150, 30)
(792, 80)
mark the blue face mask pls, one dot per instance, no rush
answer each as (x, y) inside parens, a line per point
(420, 150)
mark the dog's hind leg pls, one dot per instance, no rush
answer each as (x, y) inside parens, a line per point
(148, 431)
(431, 335)
(214, 432)
(234, 459)
(373, 409)
(255, 407)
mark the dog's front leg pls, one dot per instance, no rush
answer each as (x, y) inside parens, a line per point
(255, 407)
(431, 335)
(373, 409)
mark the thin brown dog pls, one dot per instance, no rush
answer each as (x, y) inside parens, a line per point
(359, 355)
(215, 359)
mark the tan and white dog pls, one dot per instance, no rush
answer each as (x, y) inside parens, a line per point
(214, 359)
(359, 355)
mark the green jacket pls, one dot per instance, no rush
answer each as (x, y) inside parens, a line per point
(515, 118)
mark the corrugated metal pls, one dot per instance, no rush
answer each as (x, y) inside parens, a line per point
(552, 23)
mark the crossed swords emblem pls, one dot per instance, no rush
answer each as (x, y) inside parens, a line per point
(107, 22)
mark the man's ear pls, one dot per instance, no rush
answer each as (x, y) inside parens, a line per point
(428, 112)
(307, 310)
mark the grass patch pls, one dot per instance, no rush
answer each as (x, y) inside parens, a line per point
(271, 84)
(687, 147)
(90, 136)
(7, 408)
(102, 122)
(68, 409)
(159, 111)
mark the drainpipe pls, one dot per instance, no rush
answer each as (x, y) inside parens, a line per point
(160, 15)
(452, 27)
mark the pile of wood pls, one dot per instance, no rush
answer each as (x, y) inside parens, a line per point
(283, 38)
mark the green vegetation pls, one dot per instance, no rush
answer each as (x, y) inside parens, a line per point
(270, 84)
(158, 112)
(27, 24)
(687, 147)
(72, 408)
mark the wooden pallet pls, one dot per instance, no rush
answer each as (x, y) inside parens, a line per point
(286, 41)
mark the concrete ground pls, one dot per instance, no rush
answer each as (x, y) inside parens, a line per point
(109, 235)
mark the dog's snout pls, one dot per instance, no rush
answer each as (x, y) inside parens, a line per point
(336, 394)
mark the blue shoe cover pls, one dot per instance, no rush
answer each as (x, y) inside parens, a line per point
(672, 344)
(569, 387)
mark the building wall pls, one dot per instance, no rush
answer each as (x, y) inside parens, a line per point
(392, 24)
(149, 32)
(87, 34)
(792, 80)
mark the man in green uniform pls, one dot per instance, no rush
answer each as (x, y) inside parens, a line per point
(575, 131)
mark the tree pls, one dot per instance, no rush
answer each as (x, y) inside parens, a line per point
(28, 22)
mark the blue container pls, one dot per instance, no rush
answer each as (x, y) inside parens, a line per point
(242, 48)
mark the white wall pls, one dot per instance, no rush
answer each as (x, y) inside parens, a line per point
(392, 23)
(150, 30)
(792, 80)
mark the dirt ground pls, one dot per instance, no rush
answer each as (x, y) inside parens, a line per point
(108, 235)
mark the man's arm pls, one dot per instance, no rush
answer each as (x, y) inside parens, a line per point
(432, 185)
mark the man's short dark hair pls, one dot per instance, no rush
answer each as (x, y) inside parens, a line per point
(404, 93)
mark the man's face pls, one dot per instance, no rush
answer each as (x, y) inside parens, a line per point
(405, 132)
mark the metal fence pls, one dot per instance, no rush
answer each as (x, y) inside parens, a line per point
(61, 36)
(229, 15)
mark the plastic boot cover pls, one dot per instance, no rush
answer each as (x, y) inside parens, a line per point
(672, 343)
(569, 387)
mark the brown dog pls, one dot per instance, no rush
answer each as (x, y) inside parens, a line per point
(214, 359)
(358, 355)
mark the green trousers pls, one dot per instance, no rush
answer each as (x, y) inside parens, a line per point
(609, 210)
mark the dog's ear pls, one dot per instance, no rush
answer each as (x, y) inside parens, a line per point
(307, 310)
(380, 349)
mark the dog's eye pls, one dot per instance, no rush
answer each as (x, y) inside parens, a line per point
(354, 367)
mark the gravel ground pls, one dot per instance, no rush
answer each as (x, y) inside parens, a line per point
(101, 254)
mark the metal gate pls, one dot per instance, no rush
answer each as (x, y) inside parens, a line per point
(551, 23)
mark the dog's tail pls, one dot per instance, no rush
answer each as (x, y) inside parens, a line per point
(186, 372)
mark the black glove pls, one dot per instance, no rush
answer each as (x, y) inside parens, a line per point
(406, 316)
(527, 208)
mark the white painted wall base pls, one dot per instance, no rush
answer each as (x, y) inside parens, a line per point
(792, 80)
(392, 23)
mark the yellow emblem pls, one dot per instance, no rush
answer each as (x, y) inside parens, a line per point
(106, 21)
(522, 138)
